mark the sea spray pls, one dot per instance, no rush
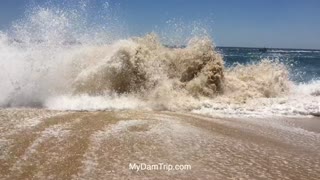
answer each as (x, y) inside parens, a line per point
(141, 65)
(52, 59)
(265, 79)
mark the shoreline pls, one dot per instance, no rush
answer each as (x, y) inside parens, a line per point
(39, 144)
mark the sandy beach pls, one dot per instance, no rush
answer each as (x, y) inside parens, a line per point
(43, 144)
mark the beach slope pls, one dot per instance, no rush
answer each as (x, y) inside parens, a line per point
(42, 144)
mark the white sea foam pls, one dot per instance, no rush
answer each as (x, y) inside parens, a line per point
(91, 103)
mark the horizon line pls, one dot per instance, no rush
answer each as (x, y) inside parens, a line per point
(259, 47)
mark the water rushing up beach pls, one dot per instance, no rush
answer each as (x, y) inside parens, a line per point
(43, 144)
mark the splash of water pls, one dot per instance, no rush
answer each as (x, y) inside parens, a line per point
(53, 59)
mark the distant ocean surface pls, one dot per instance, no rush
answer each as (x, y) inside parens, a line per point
(304, 64)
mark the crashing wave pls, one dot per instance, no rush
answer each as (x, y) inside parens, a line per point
(141, 65)
(137, 73)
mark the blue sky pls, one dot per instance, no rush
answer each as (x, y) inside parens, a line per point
(248, 23)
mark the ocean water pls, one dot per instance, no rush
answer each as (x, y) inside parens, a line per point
(304, 64)
(56, 59)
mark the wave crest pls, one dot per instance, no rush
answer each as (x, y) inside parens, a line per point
(265, 79)
(140, 65)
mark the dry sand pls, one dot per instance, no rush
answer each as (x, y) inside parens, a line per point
(42, 144)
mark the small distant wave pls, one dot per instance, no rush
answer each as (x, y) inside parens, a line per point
(294, 51)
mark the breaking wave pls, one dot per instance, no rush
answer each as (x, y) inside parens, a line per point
(47, 63)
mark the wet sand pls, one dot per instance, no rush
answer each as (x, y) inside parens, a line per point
(42, 144)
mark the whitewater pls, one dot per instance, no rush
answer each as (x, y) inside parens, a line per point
(51, 59)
